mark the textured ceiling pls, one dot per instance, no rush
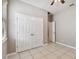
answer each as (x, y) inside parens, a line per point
(45, 4)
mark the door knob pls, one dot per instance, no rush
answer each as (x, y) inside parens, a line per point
(32, 34)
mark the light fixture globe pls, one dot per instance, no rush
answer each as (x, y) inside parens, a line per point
(62, 1)
(54, 1)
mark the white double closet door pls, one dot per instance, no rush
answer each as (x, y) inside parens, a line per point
(29, 32)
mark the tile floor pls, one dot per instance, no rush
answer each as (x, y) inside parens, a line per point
(48, 51)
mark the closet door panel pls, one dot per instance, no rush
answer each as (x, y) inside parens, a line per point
(29, 32)
(37, 30)
(20, 34)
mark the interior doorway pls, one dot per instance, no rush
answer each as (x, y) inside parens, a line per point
(51, 28)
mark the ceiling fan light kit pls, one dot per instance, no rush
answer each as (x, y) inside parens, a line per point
(54, 1)
(62, 1)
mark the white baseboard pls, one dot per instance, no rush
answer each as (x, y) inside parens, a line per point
(66, 45)
(46, 44)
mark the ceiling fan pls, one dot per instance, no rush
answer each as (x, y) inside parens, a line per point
(61, 1)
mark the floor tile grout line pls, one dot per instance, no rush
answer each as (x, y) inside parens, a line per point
(48, 50)
(31, 55)
(19, 55)
(56, 50)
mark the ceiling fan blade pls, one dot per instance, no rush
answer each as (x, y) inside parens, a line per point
(52, 3)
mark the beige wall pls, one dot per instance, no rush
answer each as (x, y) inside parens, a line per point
(18, 6)
(66, 26)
